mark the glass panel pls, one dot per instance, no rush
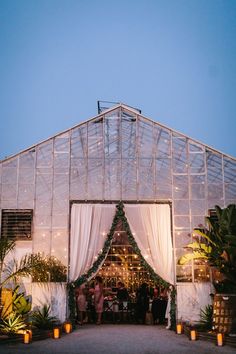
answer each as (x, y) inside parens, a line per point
(9, 175)
(181, 222)
(26, 176)
(198, 207)
(43, 187)
(195, 147)
(201, 273)
(10, 163)
(79, 142)
(42, 241)
(162, 139)
(78, 179)
(42, 220)
(196, 163)
(95, 138)
(9, 192)
(197, 191)
(61, 160)
(112, 138)
(145, 141)
(95, 179)
(179, 153)
(60, 245)
(26, 192)
(112, 179)
(27, 159)
(60, 206)
(215, 191)
(128, 134)
(182, 238)
(180, 187)
(129, 179)
(181, 207)
(59, 221)
(61, 186)
(163, 178)
(229, 170)
(214, 167)
(146, 178)
(61, 144)
(230, 191)
(197, 221)
(44, 154)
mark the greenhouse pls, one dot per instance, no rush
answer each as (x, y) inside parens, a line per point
(59, 197)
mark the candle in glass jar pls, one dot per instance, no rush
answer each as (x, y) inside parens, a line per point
(219, 339)
(26, 337)
(68, 327)
(179, 328)
(56, 333)
(193, 335)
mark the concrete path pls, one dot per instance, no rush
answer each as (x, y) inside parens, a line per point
(118, 339)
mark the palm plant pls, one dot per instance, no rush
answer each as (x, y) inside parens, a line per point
(217, 245)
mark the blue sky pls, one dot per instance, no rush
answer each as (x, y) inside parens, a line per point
(173, 59)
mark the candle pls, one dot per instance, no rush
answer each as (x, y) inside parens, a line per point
(179, 328)
(26, 337)
(68, 327)
(219, 339)
(193, 334)
(56, 333)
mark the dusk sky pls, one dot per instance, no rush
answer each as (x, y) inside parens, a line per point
(173, 59)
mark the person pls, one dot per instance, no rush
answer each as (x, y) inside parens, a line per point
(81, 302)
(122, 292)
(154, 308)
(98, 298)
(162, 304)
(91, 306)
(122, 296)
(142, 304)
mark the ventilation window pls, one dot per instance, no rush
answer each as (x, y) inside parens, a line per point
(17, 224)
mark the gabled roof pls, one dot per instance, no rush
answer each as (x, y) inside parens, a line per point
(107, 111)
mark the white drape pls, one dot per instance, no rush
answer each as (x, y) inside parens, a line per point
(90, 224)
(191, 298)
(150, 225)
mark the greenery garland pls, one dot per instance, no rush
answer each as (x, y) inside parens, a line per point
(119, 216)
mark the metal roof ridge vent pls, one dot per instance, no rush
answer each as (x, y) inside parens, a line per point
(105, 105)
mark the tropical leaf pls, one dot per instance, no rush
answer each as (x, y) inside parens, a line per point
(42, 318)
(12, 324)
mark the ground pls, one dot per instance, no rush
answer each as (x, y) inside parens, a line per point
(118, 339)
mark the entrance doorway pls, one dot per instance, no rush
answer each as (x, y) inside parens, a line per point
(124, 265)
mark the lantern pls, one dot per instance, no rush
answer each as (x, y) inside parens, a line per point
(193, 334)
(56, 332)
(179, 328)
(67, 327)
(219, 339)
(26, 337)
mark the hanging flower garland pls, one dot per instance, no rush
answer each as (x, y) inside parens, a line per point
(119, 216)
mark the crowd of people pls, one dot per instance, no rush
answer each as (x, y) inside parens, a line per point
(148, 302)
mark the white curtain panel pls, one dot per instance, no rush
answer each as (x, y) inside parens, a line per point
(90, 224)
(53, 294)
(151, 228)
(191, 298)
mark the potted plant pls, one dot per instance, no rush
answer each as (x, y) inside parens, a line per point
(217, 245)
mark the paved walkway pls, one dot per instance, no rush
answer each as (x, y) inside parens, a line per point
(118, 339)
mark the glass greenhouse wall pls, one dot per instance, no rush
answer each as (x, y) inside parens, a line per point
(118, 155)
